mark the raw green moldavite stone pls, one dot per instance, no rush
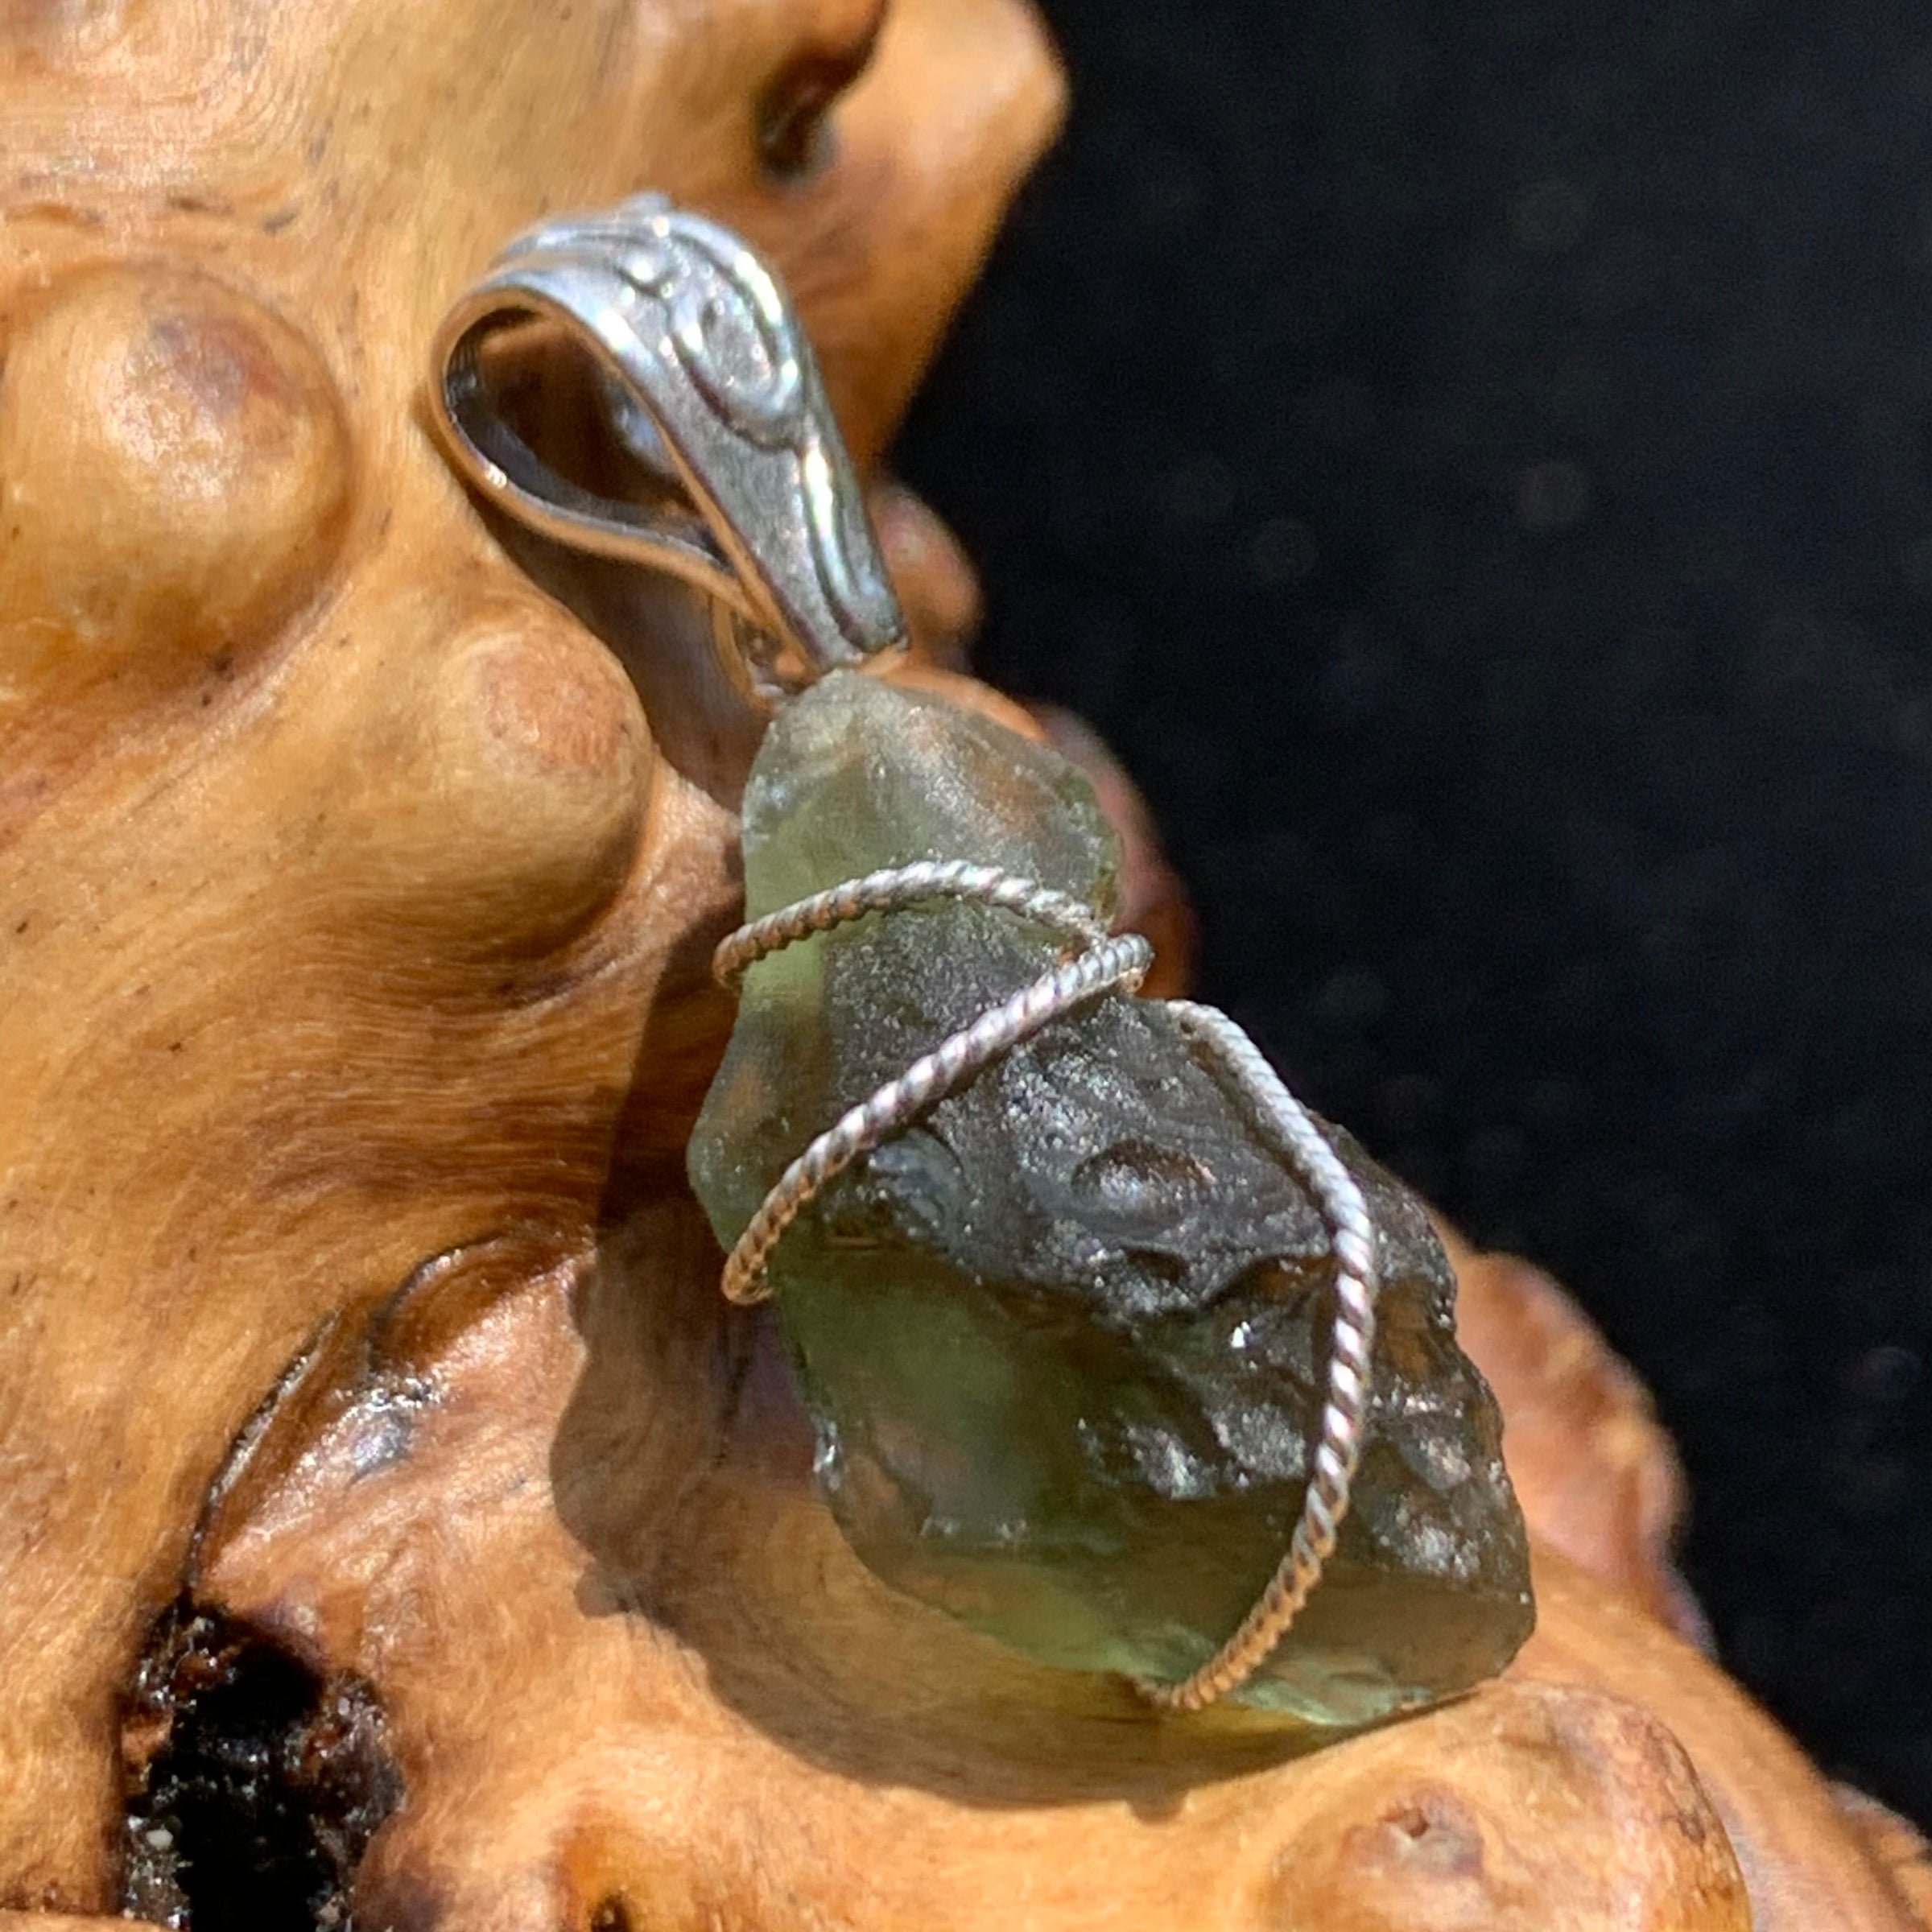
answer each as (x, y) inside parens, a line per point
(1062, 1342)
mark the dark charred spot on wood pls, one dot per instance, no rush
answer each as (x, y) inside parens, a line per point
(254, 1784)
(794, 130)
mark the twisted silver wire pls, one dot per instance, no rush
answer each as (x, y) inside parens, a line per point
(1338, 1452)
(894, 887)
(1106, 963)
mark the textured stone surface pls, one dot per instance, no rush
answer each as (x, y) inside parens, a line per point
(1062, 1341)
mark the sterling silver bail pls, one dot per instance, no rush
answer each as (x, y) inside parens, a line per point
(713, 390)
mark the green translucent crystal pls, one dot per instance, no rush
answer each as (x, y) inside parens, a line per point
(1062, 1342)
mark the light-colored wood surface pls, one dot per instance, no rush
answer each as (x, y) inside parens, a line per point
(354, 901)
(340, 869)
(628, 1657)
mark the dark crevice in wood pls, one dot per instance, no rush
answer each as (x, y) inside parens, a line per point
(254, 1785)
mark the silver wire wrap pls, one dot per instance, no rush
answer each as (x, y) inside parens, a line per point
(898, 886)
(1104, 964)
(1338, 1452)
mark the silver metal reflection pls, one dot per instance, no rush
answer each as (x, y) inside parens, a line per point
(713, 389)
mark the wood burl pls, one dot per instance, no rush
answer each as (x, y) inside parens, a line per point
(358, 872)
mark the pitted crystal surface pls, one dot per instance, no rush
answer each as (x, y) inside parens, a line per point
(1062, 1341)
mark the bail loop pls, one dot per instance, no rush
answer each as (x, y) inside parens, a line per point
(712, 387)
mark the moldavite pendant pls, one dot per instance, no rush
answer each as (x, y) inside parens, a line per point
(1084, 1304)
(1063, 1338)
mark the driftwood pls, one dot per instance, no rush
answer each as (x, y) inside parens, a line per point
(365, 1397)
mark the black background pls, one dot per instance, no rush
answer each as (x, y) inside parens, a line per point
(1474, 460)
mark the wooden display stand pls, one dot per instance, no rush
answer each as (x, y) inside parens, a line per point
(355, 909)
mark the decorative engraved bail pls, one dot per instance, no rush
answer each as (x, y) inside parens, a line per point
(712, 388)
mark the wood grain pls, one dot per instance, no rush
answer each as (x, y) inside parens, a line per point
(340, 867)
(358, 867)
